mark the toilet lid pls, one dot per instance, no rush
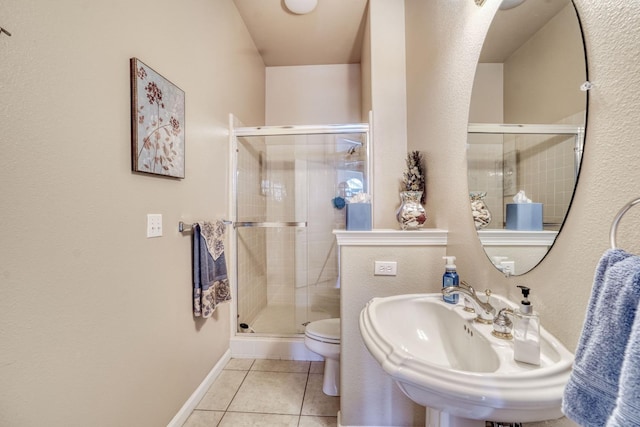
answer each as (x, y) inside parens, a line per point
(324, 330)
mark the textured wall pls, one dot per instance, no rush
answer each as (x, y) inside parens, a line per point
(96, 322)
(369, 396)
(439, 89)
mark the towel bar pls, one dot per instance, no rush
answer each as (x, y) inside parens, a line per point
(186, 228)
(270, 224)
(614, 224)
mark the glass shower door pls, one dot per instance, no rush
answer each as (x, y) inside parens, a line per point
(287, 258)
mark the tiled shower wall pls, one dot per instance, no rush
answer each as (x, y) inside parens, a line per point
(251, 243)
(288, 181)
(280, 195)
(545, 170)
(484, 156)
(302, 260)
(546, 173)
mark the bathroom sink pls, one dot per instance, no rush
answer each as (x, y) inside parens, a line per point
(442, 359)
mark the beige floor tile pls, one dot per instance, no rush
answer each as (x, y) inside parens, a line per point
(222, 391)
(239, 364)
(306, 421)
(243, 419)
(317, 368)
(203, 419)
(267, 365)
(316, 402)
(270, 392)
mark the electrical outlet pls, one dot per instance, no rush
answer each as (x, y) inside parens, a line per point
(385, 268)
(508, 267)
(154, 225)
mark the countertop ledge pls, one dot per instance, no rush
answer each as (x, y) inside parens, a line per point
(389, 237)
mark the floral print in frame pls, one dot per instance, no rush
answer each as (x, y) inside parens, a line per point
(157, 123)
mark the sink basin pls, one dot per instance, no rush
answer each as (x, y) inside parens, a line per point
(442, 359)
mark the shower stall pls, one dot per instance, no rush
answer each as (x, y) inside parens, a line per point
(289, 185)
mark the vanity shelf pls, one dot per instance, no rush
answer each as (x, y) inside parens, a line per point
(516, 237)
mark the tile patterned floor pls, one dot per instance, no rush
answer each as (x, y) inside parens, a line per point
(267, 393)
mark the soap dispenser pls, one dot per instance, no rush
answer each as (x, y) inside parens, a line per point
(450, 278)
(526, 332)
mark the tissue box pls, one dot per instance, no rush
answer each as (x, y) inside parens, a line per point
(524, 216)
(359, 216)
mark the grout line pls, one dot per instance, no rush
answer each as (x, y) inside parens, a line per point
(304, 394)
(246, 373)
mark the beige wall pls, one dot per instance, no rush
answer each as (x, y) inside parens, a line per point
(313, 94)
(439, 90)
(548, 64)
(386, 58)
(95, 319)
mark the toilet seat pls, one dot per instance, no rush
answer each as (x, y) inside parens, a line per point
(325, 330)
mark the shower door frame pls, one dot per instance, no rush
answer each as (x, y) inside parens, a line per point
(236, 132)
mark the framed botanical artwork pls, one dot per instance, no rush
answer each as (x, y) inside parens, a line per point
(157, 123)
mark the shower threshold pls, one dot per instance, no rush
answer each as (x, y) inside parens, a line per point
(275, 335)
(263, 346)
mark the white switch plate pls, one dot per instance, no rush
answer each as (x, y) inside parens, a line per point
(385, 268)
(154, 225)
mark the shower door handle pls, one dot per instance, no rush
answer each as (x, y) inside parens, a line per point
(270, 224)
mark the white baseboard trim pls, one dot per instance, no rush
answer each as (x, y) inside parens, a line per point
(250, 346)
(191, 403)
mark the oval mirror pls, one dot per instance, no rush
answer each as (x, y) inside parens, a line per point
(526, 130)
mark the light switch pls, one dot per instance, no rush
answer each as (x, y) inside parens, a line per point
(154, 225)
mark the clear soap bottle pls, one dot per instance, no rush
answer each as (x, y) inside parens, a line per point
(526, 332)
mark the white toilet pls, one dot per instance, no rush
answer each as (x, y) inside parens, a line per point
(323, 337)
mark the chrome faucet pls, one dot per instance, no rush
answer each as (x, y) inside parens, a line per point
(486, 312)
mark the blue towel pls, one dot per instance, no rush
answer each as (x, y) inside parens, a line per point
(210, 281)
(627, 410)
(593, 388)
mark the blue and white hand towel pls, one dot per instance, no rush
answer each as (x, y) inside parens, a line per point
(210, 281)
(595, 384)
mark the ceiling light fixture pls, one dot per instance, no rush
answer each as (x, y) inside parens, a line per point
(301, 7)
(510, 4)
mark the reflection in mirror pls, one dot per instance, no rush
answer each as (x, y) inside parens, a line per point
(526, 130)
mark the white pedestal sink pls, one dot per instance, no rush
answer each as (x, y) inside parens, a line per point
(440, 358)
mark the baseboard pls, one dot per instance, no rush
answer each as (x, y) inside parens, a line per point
(250, 346)
(191, 403)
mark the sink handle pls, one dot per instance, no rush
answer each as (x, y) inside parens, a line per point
(502, 325)
(469, 288)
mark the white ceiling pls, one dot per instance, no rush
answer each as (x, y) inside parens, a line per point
(331, 34)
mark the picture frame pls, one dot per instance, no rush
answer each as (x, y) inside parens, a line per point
(157, 123)
(510, 173)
